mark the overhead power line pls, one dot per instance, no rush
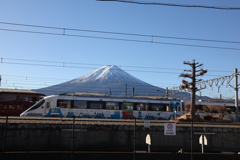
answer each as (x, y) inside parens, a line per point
(121, 39)
(175, 5)
(27, 82)
(86, 65)
(151, 37)
(11, 81)
(120, 33)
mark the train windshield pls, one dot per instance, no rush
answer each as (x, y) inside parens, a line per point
(35, 106)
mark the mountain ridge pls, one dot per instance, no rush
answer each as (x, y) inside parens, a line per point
(107, 79)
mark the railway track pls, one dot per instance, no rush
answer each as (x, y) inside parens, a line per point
(37, 120)
(126, 122)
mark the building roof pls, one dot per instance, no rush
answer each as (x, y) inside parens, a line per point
(19, 91)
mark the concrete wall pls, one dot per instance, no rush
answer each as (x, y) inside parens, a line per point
(58, 137)
(116, 156)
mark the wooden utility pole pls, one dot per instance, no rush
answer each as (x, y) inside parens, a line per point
(193, 90)
(236, 94)
(192, 85)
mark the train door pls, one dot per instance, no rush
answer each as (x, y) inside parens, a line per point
(47, 108)
(181, 108)
(178, 108)
(127, 112)
(66, 108)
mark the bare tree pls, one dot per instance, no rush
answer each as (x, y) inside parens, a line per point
(210, 109)
(191, 86)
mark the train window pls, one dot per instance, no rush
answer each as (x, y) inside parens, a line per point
(140, 106)
(64, 103)
(147, 108)
(48, 105)
(112, 105)
(34, 99)
(25, 107)
(158, 107)
(120, 105)
(20, 107)
(96, 105)
(2, 106)
(80, 104)
(11, 106)
(38, 104)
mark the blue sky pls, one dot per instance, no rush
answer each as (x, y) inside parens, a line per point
(141, 58)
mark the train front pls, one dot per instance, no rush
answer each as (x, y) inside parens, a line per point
(36, 110)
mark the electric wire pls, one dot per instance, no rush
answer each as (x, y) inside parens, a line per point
(85, 87)
(121, 91)
(175, 5)
(66, 66)
(28, 83)
(118, 39)
(118, 33)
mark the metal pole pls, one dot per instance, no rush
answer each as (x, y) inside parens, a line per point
(193, 90)
(134, 139)
(236, 94)
(167, 92)
(202, 143)
(5, 135)
(110, 91)
(126, 90)
(133, 92)
(73, 136)
(192, 139)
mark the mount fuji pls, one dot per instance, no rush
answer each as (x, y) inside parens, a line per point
(109, 80)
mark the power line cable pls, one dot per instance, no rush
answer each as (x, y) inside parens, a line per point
(175, 5)
(66, 65)
(99, 90)
(44, 84)
(87, 86)
(119, 33)
(84, 67)
(119, 39)
(45, 80)
(49, 83)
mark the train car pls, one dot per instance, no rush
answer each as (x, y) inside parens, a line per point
(14, 108)
(224, 108)
(106, 107)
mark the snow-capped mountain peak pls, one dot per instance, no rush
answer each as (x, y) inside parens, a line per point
(107, 73)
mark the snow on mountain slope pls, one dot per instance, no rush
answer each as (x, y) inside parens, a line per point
(107, 73)
(107, 79)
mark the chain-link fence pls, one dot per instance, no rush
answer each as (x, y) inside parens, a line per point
(76, 138)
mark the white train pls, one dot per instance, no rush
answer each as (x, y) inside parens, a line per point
(224, 108)
(106, 107)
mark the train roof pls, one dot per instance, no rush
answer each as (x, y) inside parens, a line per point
(93, 95)
(19, 91)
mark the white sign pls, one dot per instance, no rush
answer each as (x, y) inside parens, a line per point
(203, 133)
(203, 140)
(148, 139)
(147, 124)
(170, 129)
